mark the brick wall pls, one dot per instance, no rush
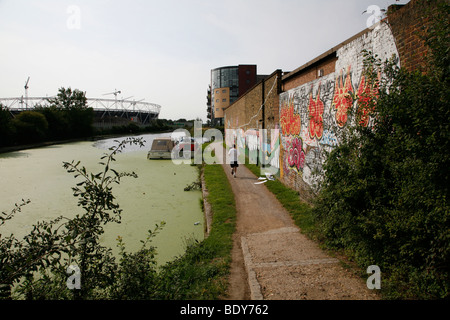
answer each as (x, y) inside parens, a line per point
(272, 90)
(311, 72)
(247, 112)
(408, 23)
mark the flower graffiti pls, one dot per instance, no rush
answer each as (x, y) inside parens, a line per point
(296, 155)
(367, 94)
(316, 109)
(289, 120)
(342, 99)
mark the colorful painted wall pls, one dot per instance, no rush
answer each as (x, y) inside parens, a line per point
(313, 115)
(256, 110)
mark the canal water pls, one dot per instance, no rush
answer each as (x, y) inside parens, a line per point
(156, 195)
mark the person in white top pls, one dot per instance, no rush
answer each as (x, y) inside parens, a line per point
(233, 153)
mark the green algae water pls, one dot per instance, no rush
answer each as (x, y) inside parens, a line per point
(156, 195)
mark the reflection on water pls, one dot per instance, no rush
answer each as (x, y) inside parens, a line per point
(17, 154)
(156, 195)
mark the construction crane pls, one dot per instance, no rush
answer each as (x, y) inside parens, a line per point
(26, 93)
(115, 93)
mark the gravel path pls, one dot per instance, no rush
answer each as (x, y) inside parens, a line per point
(271, 259)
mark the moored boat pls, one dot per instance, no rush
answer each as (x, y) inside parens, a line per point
(161, 149)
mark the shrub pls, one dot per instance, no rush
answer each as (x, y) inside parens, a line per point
(30, 126)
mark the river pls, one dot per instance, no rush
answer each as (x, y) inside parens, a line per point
(156, 195)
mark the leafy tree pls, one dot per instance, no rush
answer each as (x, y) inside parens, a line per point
(78, 115)
(67, 99)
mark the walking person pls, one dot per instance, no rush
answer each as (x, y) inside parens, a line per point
(233, 153)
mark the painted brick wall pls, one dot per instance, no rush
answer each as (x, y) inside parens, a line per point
(257, 109)
(313, 115)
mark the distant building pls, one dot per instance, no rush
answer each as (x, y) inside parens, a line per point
(227, 85)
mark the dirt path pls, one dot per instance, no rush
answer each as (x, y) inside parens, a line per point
(271, 259)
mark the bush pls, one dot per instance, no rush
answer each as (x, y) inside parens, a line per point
(57, 122)
(30, 126)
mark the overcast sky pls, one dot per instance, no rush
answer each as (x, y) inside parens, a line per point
(163, 51)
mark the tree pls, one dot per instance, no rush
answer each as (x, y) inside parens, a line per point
(78, 115)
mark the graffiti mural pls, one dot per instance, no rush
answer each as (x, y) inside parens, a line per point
(296, 155)
(366, 99)
(316, 109)
(342, 100)
(290, 121)
(314, 115)
(261, 146)
(302, 151)
(329, 138)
